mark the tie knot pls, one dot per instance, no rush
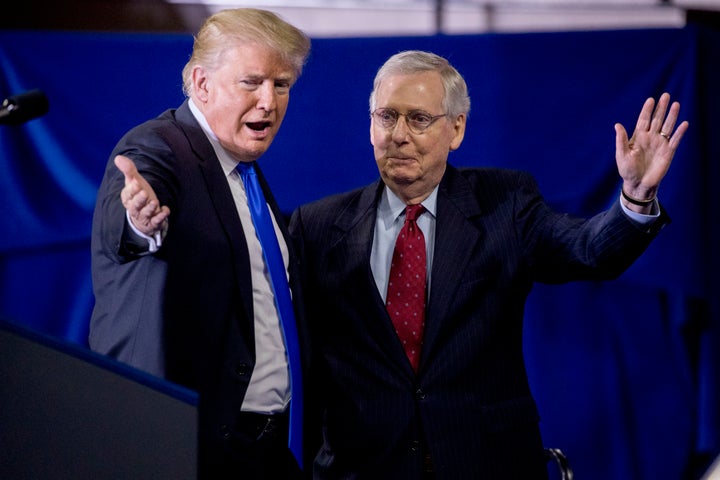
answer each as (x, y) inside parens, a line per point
(245, 167)
(412, 212)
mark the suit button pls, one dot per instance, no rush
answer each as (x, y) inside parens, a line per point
(241, 369)
(415, 446)
(224, 432)
(420, 395)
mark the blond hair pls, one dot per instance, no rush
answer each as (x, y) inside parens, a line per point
(245, 25)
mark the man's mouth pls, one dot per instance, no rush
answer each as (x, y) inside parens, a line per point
(258, 126)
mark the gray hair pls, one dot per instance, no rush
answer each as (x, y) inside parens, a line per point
(246, 25)
(456, 100)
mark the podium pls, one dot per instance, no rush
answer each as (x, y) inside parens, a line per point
(69, 413)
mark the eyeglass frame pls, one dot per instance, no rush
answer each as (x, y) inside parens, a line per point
(413, 129)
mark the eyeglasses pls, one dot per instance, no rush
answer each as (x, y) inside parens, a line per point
(417, 120)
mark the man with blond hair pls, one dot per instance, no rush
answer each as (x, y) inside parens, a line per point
(181, 266)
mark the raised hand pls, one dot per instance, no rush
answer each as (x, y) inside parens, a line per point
(139, 199)
(644, 159)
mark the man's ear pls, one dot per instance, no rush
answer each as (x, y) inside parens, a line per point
(199, 80)
(458, 131)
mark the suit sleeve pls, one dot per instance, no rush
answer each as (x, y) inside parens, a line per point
(561, 248)
(153, 159)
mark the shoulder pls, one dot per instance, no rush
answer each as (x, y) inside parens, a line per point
(488, 182)
(173, 131)
(340, 201)
(165, 125)
(342, 208)
(493, 177)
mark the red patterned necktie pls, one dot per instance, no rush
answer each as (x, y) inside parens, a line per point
(406, 287)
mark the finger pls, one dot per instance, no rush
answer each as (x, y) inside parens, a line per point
(672, 117)
(147, 212)
(644, 119)
(141, 216)
(659, 114)
(157, 220)
(126, 166)
(129, 191)
(678, 135)
(621, 139)
(137, 202)
(151, 221)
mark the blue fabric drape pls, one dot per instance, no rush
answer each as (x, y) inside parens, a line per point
(625, 372)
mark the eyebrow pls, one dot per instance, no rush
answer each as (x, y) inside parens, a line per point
(258, 77)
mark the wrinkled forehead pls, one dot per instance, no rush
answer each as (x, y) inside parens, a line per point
(413, 91)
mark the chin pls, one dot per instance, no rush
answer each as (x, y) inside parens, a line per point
(401, 176)
(254, 149)
(400, 180)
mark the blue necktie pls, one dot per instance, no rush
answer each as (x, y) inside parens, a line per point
(273, 259)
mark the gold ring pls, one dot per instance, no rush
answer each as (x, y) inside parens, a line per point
(665, 136)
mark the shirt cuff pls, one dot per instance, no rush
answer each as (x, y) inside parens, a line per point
(641, 218)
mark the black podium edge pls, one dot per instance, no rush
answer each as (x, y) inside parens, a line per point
(80, 352)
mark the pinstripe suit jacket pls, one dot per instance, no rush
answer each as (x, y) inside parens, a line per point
(469, 404)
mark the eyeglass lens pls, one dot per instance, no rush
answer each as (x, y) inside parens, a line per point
(417, 120)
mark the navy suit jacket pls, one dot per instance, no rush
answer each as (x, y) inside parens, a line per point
(184, 313)
(469, 405)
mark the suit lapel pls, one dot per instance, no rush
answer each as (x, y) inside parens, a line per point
(219, 192)
(351, 247)
(456, 237)
(353, 242)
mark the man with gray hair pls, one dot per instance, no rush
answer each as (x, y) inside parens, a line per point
(415, 285)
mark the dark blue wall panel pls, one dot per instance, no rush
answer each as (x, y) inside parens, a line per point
(625, 372)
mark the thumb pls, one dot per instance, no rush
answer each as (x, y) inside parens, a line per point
(126, 166)
(621, 138)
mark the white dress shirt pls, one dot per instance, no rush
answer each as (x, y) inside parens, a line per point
(389, 221)
(269, 389)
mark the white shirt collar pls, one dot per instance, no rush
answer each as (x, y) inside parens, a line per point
(391, 206)
(227, 163)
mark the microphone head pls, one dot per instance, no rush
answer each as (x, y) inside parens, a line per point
(23, 107)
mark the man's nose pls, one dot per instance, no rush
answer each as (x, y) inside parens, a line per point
(401, 129)
(267, 98)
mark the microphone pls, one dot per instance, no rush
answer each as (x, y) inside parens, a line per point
(23, 107)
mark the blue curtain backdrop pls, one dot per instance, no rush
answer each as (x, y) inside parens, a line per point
(625, 372)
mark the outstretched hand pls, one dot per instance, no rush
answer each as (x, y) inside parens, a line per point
(644, 159)
(139, 199)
